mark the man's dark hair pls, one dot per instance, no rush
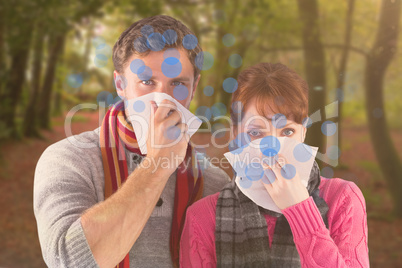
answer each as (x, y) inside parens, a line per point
(156, 33)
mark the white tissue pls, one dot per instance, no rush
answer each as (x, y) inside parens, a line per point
(139, 114)
(252, 153)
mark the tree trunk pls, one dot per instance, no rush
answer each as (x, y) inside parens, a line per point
(378, 61)
(30, 124)
(314, 64)
(13, 87)
(56, 44)
(343, 66)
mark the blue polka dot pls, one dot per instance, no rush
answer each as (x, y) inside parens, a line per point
(270, 146)
(139, 106)
(74, 80)
(235, 60)
(230, 85)
(136, 64)
(180, 92)
(328, 128)
(327, 172)
(156, 41)
(228, 40)
(104, 98)
(190, 41)
(144, 73)
(269, 176)
(307, 122)
(146, 30)
(239, 143)
(116, 100)
(140, 44)
(171, 52)
(218, 130)
(333, 152)
(218, 109)
(100, 60)
(237, 107)
(104, 49)
(254, 171)
(172, 133)
(204, 111)
(240, 168)
(170, 36)
(279, 121)
(245, 183)
(302, 152)
(96, 41)
(171, 67)
(204, 60)
(208, 91)
(288, 171)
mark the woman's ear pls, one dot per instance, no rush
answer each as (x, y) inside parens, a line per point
(121, 83)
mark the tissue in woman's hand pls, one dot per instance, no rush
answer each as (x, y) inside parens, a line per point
(139, 114)
(249, 161)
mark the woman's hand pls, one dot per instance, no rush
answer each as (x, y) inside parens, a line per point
(286, 188)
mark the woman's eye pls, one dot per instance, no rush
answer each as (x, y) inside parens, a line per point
(288, 132)
(147, 82)
(254, 133)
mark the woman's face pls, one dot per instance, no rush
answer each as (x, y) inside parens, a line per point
(257, 126)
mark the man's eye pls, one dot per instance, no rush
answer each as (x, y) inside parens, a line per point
(288, 132)
(146, 82)
(177, 83)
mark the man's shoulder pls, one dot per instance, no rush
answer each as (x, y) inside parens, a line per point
(214, 177)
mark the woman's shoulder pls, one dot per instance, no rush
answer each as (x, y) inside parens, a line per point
(205, 208)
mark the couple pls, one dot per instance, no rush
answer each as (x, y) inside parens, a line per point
(97, 205)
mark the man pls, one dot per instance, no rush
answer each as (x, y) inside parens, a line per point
(100, 205)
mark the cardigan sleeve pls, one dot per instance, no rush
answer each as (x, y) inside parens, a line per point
(344, 244)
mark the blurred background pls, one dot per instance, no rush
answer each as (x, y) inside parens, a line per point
(54, 56)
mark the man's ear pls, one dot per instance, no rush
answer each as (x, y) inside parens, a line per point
(121, 83)
(195, 86)
(304, 133)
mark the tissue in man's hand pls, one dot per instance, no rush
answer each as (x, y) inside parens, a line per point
(139, 114)
(248, 161)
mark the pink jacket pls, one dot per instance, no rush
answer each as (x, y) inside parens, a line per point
(343, 245)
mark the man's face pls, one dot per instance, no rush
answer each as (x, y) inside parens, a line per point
(143, 80)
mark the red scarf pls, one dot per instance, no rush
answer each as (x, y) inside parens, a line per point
(115, 135)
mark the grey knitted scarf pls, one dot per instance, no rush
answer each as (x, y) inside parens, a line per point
(241, 235)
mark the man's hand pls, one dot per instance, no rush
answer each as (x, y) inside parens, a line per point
(167, 136)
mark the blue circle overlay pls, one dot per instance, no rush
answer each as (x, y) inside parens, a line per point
(140, 44)
(333, 152)
(279, 120)
(146, 30)
(171, 52)
(100, 60)
(254, 171)
(190, 41)
(74, 80)
(96, 41)
(172, 133)
(269, 176)
(239, 167)
(218, 129)
(104, 98)
(235, 60)
(307, 122)
(139, 106)
(104, 49)
(204, 60)
(270, 146)
(170, 36)
(156, 41)
(180, 92)
(327, 172)
(208, 91)
(230, 85)
(203, 111)
(136, 65)
(144, 73)
(218, 109)
(245, 183)
(228, 40)
(302, 152)
(288, 171)
(171, 67)
(328, 128)
(239, 143)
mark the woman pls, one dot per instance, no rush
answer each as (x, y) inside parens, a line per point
(324, 225)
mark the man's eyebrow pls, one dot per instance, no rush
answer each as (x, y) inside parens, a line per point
(181, 78)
